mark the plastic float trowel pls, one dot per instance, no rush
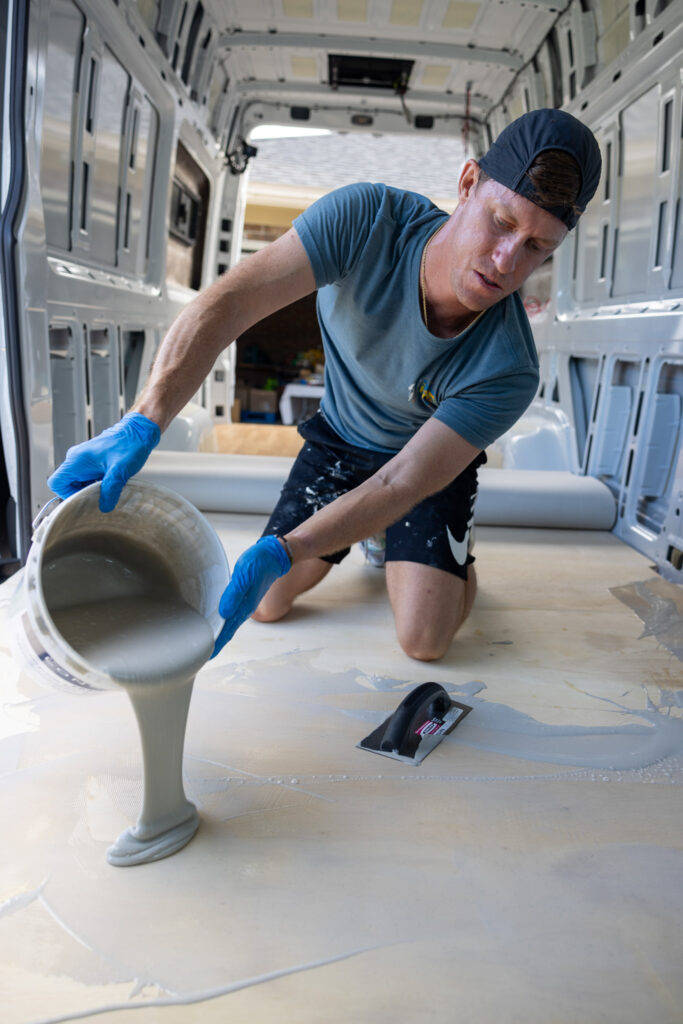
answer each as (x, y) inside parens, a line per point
(417, 726)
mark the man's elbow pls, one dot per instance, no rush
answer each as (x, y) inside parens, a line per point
(401, 489)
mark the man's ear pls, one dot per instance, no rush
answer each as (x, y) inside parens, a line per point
(469, 176)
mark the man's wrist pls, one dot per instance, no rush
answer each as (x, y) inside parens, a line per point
(286, 545)
(151, 411)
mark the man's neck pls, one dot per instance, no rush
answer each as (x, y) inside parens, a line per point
(444, 315)
(445, 325)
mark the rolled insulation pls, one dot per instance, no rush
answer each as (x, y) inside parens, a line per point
(543, 497)
(507, 497)
(215, 482)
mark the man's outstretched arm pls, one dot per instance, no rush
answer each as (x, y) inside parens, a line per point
(265, 282)
(434, 457)
(430, 460)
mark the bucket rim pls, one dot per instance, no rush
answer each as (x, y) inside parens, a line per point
(40, 618)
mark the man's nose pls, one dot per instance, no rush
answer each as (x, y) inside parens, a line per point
(506, 254)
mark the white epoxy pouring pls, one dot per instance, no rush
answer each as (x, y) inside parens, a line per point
(130, 600)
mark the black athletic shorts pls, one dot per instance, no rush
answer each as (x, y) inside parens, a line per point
(435, 532)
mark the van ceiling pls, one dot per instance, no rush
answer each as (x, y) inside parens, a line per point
(443, 59)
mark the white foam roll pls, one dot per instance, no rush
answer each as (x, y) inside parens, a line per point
(221, 483)
(507, 497)
(541, 497)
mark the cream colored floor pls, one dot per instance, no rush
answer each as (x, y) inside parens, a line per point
(529, 871)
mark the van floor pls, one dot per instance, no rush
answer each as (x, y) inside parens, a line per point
(528, 871)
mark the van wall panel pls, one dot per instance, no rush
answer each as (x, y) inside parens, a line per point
(639, 166)
(149, 11)
(108, 128)
(613, 29)
(595, 230)
(104, 384)
(608, 450)
(137, 185)
(66, 26)
(676, 281)
(68, 388)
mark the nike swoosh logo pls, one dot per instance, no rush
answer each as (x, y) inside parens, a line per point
(459, 547)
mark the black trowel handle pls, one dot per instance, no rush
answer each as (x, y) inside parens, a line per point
(431, 696)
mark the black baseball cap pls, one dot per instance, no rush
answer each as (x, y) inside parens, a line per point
(518, 145)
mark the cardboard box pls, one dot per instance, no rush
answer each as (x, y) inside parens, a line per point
(242, 395)
(261, 400)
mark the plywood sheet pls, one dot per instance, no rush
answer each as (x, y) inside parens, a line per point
(529, 870)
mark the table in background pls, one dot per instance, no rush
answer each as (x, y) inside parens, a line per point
(299, 401)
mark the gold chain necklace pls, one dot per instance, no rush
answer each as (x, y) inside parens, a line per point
(423, 278)
(423, 284)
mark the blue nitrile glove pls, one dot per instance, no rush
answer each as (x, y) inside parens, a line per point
(255, 570)
(113, 457)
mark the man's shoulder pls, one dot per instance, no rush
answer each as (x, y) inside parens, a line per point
(364, 220)
(508, 321)
(363, 195)
(509, 315)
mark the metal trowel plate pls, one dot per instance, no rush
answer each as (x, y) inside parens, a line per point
(421, 735)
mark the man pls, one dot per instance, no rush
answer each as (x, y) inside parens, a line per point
(429, 358)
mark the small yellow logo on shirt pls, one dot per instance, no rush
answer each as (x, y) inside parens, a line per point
(425, 395)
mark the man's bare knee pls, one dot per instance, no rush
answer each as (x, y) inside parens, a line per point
(425, 644)
(429, 606)
(420, 652)
(271, 611)
(278, 601)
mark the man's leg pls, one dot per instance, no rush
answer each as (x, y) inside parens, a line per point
(429, 606)
(430, 575)
(281, 596)
(325, 468)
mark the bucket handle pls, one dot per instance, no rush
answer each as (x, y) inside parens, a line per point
(44, 512)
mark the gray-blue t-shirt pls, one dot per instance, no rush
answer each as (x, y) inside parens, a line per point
(385, 373)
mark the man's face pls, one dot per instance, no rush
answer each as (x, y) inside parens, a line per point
(500, 238)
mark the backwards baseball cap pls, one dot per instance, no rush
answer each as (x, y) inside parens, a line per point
(518, 145)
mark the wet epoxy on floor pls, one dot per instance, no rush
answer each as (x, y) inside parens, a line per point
(529, 870)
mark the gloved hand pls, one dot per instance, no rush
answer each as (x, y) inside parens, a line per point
(255, 570)
(113, 457)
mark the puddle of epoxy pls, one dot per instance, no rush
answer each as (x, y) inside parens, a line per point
(659, 604)
(383, 863)
(310, 848)
(640, 738)
(486, 862)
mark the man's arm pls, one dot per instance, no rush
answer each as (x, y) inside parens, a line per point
(427, 463)
(272, 278)
(430, 460)
(265, 282)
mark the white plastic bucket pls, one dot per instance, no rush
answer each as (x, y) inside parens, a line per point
(164, 523)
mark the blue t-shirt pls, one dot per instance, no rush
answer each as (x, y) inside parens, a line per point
(385, 372)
